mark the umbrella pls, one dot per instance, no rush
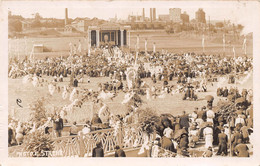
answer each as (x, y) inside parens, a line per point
(179, 133)
(209, 98)
(240, 100)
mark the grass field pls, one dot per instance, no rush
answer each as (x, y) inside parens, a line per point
(183, 42)
(170, 104)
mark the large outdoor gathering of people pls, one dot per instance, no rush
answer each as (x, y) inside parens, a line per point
(223, 126)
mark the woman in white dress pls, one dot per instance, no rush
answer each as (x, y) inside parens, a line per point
(208, 135)
(19, 133)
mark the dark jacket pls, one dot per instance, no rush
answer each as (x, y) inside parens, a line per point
(120, 153)
(184, 121)
(58, 124)
(98, 152)
(222, 138)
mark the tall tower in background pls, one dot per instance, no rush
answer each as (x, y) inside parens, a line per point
(154, 14)
(200, 16)
(175, 14)
(66, 16)
(151, 14)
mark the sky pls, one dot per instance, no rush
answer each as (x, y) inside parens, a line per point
(239, 12)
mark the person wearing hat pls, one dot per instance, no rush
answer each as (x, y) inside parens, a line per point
(98, 150)
(208, 135)
(155, 148)
(236, 138)
(210, 114)
(223, 140)
(86, 129)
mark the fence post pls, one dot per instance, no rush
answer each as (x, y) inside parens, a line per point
(81, 145)
(120, 138)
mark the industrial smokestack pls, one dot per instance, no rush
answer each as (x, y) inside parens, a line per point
(154, 14)
(66, 16)
(143, 15)
(151, 14)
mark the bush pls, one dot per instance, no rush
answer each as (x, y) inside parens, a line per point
(38, 144)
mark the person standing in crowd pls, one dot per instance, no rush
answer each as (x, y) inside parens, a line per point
(10, 135)
(58, 125)
(184, 121)
(74, 129)
(210, 115)
(208, 134)
(236, 139)
(98, 150)
(223, 140)
(119, 152)
(19, 133)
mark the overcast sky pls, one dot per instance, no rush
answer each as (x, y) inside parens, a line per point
(236, 11)
(105, 10)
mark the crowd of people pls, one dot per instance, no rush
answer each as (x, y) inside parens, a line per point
(186, 73)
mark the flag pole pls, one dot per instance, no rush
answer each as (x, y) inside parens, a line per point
(203, 43)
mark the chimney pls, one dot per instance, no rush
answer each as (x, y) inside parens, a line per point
(143, 15)
(154, 14)
(66, 16)
(151, 14)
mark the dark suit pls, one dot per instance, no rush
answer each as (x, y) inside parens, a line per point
(58, 126)
(236, 139)
(184, 121)
(120, 153)
(98, 152)
(222, 146)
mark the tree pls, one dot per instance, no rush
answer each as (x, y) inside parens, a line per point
(36, 24)
(14, 25)
(38, 111)
(219, 25)
(37, 16)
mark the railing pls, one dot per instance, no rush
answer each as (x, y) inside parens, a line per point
(82, 145)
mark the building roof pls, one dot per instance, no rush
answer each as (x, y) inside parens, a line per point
(109, 26)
